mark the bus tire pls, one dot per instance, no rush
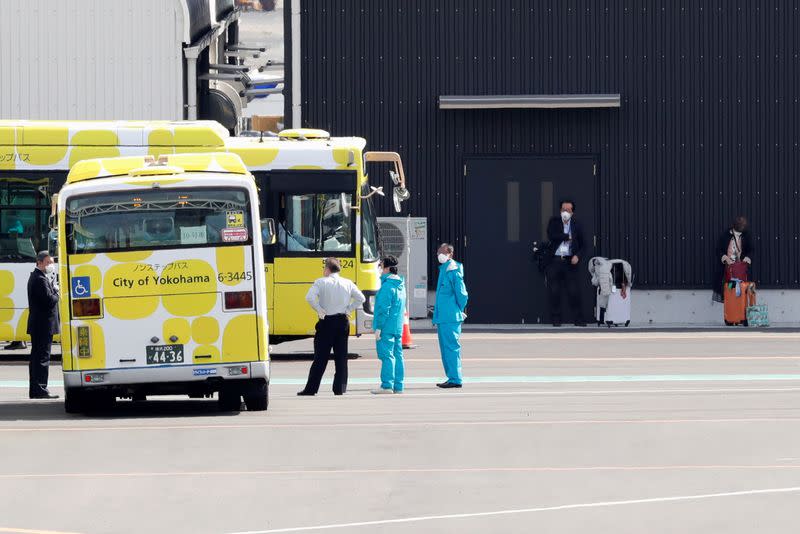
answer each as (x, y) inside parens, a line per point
(74, 401)
(230, 400)
(257, 399)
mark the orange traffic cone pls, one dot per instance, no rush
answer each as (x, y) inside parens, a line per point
(407, 342)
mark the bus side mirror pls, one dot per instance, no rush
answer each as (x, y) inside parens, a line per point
(398, 177)
(268, 233)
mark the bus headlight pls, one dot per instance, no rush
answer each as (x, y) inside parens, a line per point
(369, 304)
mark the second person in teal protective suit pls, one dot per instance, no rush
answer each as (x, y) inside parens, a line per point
(390, 307)
(449, 313)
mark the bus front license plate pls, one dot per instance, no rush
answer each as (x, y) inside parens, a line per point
(164, 354)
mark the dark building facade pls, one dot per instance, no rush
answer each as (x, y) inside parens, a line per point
(708, 123)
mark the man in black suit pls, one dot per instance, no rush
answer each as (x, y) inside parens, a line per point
(567, 239)
(43, 323)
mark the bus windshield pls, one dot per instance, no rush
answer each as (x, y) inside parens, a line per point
(157, 219)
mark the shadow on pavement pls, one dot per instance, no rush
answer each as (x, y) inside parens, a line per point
(123, 410)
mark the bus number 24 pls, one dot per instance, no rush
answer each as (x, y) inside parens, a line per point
(346, 264)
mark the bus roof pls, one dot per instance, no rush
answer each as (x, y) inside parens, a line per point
(112, 133)
(223, 162)
(50, 145)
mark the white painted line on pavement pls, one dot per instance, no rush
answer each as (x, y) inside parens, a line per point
(29, 531)
(524, 379)
(406, 424)
(410, 393)
(601, 504)
(633, 336)
(437, 360)
(412, 471)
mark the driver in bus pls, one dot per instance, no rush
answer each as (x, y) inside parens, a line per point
(16, 227)
(292, 243)
(160, 231)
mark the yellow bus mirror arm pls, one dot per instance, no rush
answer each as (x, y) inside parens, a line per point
(389, 157)
(398, 175)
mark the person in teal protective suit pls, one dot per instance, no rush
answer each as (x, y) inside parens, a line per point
(449, 313)
(390, 307)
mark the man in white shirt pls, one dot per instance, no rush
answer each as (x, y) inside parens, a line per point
(333, 298)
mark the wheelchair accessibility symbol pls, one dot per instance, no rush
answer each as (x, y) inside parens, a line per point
(81, 287)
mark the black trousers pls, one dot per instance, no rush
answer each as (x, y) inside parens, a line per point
(332, 333)
(562, 277)
(39, 365)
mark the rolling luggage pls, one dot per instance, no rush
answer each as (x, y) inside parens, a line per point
(617, 311)
(738, 296)
(610, 277)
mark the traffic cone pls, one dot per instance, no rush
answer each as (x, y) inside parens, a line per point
(407, 341)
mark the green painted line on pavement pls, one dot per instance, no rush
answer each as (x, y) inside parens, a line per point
(543, 379)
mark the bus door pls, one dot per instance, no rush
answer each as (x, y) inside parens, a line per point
(24, 231)
(314, 218)
(162, 277)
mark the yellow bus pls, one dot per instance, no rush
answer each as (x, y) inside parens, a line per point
(313, 185)
(163, 281)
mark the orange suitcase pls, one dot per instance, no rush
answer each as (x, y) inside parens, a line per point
(737, 299)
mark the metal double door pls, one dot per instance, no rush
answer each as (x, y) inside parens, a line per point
(509, 201)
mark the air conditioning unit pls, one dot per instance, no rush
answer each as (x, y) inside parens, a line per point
(407, 239)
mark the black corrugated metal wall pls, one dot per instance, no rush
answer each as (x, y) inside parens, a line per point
(709, 124)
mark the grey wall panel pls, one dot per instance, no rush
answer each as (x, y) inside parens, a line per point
(91, 59)
(709, 123)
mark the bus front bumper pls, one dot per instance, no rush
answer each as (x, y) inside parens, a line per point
(157, 374)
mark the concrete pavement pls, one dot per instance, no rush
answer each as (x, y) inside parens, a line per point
(614, 432)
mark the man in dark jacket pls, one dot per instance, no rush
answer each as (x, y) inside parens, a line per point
(567, 240)
(43, 323)
(734, 245)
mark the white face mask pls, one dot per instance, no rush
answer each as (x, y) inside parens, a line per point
(443, 258)
(50, 269)
(566, 216)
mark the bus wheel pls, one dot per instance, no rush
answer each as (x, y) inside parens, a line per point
(74, 401)
(257, 399)
(230, 400)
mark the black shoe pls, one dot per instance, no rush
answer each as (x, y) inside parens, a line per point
(16, 345)
(46, 395)
(337, 394)
(580, 323)
(305, 393)
(448, 385)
